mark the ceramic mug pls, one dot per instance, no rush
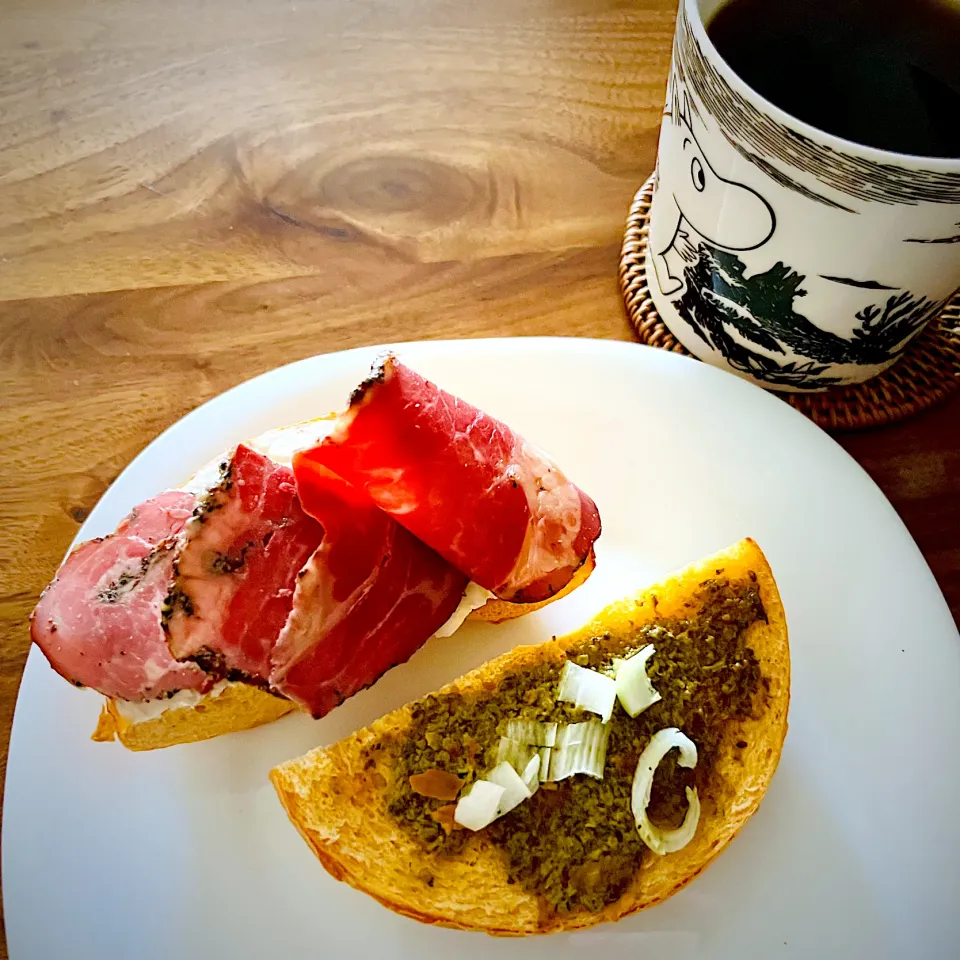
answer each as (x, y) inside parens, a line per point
(789, 256)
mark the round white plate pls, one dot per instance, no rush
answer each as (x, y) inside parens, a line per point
(185, 853)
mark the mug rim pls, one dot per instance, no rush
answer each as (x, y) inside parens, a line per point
(841, 144)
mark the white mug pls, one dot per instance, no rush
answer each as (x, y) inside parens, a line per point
(789, 256)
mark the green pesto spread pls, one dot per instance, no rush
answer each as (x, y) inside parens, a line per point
(575, 843)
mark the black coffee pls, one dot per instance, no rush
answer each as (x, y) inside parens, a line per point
(885, 73)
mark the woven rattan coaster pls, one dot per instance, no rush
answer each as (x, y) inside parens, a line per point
(928, 371)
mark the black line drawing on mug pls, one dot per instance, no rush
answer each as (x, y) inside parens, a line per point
(699, 194)
(723, 297)
(866, 284)
(955, 238)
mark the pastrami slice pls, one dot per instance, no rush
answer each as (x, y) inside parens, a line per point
(99, 621)
(236, 568)
(369, 597)
(494, 505)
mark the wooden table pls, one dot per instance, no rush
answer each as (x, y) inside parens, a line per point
(194, 192)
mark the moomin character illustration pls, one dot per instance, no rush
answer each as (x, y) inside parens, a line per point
(694, 194)
(701, 221)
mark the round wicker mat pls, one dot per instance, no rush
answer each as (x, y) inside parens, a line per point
(928, 371)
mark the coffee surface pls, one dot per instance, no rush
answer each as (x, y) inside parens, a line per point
(884, 73)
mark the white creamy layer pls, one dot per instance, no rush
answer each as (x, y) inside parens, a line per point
(474, 597)
(151, 709)
(279, 445)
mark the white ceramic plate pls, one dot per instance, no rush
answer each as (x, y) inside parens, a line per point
(186, 853)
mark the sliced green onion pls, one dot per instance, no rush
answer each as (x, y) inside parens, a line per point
(615, 664)
(661, 743)
(543, 771)
(517, 754)
(532, 731)
(531, 774)
(587, 689)
(634, 689)
(526, 759)
(515, 791)
(478, 808)
(581, 748)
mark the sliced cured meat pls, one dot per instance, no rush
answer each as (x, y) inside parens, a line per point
(98, 622)
(236, 568)
(160, 517)
(494, 505)
(369, 597)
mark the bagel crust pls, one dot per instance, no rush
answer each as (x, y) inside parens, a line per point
(238, 707)
(336, 796)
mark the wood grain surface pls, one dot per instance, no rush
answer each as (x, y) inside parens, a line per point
(193, 193)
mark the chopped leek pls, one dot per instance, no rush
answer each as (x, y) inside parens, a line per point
(543, 770)
(531, 774)
(517, 754)
(526, 759)
(515, 791)
(661, 743)
(581, 748)
(478, 808)
(532, 731)
(588, 690)
(634, 689)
